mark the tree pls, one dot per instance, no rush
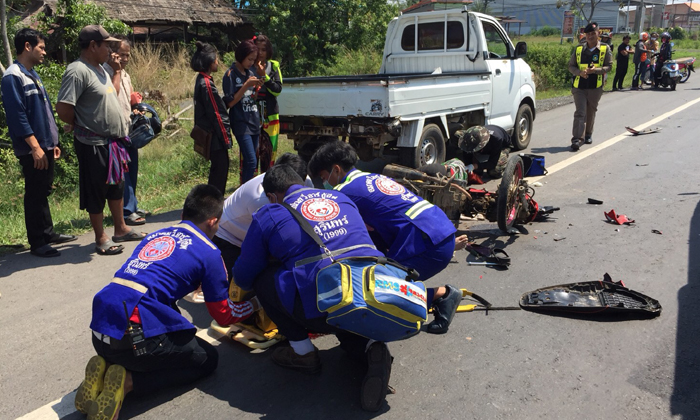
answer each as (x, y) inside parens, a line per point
(481, 6)
(5, 40)
(308, 34)
(70, 17)
(580, 7)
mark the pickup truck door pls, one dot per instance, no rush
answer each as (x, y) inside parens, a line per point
(498, 53)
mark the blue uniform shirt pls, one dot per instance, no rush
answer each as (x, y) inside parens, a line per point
(28, 109)
(165, 266)
(406, 223)
(275, 232)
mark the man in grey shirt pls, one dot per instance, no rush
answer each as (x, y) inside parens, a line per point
(88, 103)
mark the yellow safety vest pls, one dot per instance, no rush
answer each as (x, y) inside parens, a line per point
(582, 67)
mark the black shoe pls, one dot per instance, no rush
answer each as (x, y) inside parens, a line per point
(588, 140)
(46, 251)
(576, 144)
(615, 89)
(444, 310)
(376, 382)
(61, 238)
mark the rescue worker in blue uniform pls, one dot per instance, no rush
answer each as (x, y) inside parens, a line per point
(288, 294)
(136, 325)
(407, 228)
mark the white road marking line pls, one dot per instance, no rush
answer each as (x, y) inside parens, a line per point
(63, 407)
(607, 143)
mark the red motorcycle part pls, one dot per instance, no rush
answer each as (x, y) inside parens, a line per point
(533, 208)
(619, 219)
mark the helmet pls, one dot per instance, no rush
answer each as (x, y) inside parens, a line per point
(666, 35)
(644, 36)
(473, 138)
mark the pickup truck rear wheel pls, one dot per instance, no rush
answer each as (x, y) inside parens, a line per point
(523, 127)
(430, 149)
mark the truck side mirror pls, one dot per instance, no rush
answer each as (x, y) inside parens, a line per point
(520, 49)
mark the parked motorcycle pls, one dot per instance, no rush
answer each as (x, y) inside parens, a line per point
(685, 67)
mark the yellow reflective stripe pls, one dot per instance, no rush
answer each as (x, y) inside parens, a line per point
(348, 179)
(601, 61)
(130, 284)
(197, 234)
(417, 209)
(579, 49)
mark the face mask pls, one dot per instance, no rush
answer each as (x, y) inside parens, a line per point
(653, 39)
(327, 185)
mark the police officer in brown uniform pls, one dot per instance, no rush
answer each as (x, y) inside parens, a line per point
(589, 63)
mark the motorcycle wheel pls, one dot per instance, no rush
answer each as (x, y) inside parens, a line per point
(685, 74)
(508, 202)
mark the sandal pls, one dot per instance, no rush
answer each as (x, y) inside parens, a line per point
(45, 251)
(134, 220)
(489, 254)
(109, 248)
(143, 213)
(131, 236)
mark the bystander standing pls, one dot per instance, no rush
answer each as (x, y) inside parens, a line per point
(34, 135)
(623, 59)
(88, 103)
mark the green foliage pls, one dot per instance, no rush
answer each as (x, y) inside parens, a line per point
(353, 62)
(70, 17)
(549, 64)
(546, 31)
(481, 6)
(308, 34)
(677, 33)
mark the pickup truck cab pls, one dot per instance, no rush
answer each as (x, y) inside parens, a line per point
(442, 71)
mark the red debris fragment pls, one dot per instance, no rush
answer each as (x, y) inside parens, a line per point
(619, 219)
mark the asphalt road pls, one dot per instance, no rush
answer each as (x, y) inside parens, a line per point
(509, 364)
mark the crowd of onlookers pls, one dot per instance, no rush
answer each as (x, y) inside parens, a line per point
(97, 103)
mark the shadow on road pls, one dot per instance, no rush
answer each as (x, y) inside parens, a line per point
(251, 383)
(552, 149)
(685, 399)
(71, 252)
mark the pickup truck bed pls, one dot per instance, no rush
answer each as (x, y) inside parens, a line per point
(401, 96)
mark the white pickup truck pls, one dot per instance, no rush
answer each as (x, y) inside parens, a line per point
(442, 71)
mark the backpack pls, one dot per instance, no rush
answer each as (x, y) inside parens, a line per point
(374, 297)
(144, 128)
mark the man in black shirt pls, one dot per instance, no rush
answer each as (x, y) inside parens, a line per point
(589, 63)
(623, 59)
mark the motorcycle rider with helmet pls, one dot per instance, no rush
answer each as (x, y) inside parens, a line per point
(664, 54)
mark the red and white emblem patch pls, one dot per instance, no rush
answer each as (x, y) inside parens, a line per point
(320, 209)
(158, 249)
(389, 186)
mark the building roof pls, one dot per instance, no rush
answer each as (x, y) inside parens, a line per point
(169, 12)
(694, 6)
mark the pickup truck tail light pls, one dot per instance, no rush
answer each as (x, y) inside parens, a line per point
(286, 126)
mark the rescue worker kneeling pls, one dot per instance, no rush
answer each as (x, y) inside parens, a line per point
(407, 228)
(136, 327)
(289, 294)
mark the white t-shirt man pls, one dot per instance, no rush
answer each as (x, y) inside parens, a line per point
(239, 208)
